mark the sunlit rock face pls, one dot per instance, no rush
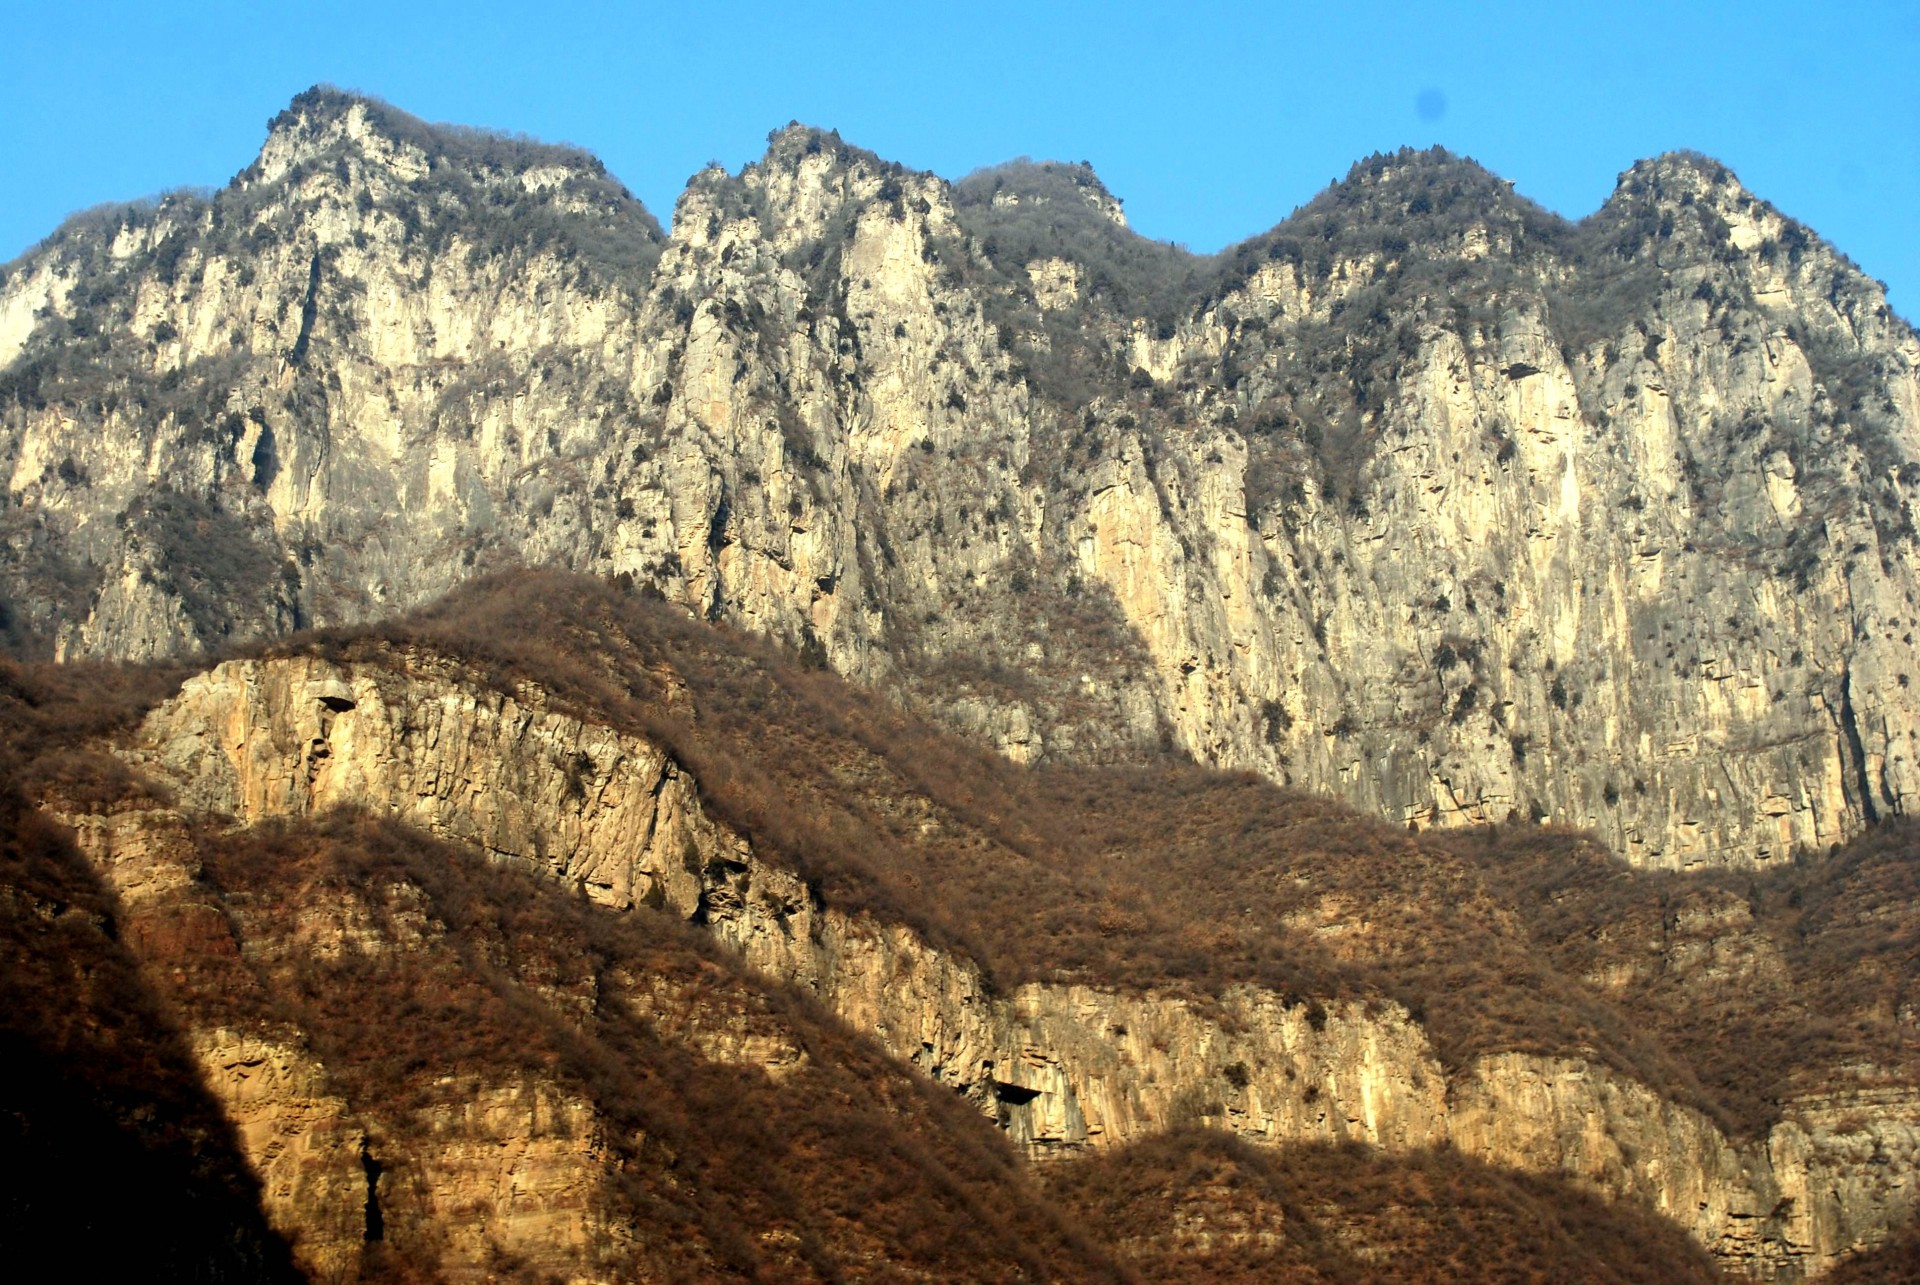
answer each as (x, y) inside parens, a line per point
(1425, 498)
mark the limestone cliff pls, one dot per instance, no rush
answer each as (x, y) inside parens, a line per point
(1060, 1066)
(1425, 498)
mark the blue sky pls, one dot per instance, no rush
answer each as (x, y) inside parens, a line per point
(1211, 120)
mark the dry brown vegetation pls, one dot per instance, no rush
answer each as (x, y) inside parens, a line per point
(1194, 1207)
(1762, 984)
(1728, 992)
(115, 1157)
(462, 974)
(1167, 875)
(53, 719)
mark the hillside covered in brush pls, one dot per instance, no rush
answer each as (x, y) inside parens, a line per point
(708, 940)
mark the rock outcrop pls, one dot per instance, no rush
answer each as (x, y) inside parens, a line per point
(1425, 498)
(526, 1152)
(1061, 1067)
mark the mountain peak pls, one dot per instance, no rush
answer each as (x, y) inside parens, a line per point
(1387, 167)
(795, 138)
(1679, 178)
(324, 119)
(1413, 181)
(1025, 181)
(317, 105)
(318, 119)
(789, 146)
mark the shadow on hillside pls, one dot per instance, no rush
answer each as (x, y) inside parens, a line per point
(118, 1161)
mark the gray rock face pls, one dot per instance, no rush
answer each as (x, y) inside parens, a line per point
(1425, 498)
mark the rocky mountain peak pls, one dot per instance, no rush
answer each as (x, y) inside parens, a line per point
(1418, 195)
(789, 145)
(354, 133)
(323, 120)
(808, 189)
(820, 156)
(1679, 178)
(1691, 197)
(1062, 186)
(1686, 210)
(1414, 165)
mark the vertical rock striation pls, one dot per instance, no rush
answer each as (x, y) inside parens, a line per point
(1424, 498)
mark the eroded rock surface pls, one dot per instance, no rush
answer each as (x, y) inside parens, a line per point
(1425, 498)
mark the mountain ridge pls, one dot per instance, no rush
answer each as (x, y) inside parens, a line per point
(849, 401)
(323, 105)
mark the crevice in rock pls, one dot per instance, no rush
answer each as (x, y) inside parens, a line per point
(266, 459)
(376, 1226)
(309, 312)
(717, 535)
(1856, 748)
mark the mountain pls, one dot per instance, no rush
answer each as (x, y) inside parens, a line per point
(1426, 498)
(1432, 678)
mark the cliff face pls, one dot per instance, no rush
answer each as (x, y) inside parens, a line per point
(528, 1152)
(1060, 1066)
(1425, 498)
(437, 1069)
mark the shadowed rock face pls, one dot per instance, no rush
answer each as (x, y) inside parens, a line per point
(117, 1156)
(1425, 498)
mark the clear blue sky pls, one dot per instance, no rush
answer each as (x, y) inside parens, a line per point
(1212, 120)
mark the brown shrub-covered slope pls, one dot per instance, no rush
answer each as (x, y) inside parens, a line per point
(1200, 1207)
(751, 1136)
(1721, 991)
(1759, 984)
(456, 975)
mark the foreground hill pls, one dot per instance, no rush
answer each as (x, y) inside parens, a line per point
(551, 928)
(1425, 499)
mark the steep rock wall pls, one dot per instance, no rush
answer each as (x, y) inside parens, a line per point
(1608, 524)
(525, 1151)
